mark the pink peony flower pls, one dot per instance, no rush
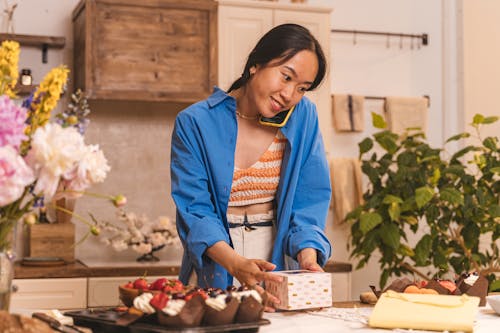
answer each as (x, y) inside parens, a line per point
(12, 123)
(15, 175)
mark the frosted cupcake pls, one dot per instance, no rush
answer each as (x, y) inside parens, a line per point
(221, 307)
(251, 305)
(179, 310)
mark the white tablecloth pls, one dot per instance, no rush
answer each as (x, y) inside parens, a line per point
(344, 320)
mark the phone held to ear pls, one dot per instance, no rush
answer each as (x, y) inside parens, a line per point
(278, 120)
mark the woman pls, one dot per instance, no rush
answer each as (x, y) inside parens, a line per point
(252, 193)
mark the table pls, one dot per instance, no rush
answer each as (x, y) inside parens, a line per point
(347, 320)
(347, 317)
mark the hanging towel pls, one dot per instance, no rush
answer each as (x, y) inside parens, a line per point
(406, 112)
(348, 113)
(345, 175)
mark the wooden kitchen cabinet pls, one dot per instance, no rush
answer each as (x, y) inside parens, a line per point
(242, 23)
(149, 50)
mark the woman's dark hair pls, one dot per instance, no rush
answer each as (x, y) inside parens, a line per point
(283, 41)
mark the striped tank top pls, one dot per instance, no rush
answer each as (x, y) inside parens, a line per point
(259, 183)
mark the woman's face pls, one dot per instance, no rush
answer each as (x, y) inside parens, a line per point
(275, 88)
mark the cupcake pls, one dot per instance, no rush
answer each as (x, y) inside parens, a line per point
(251, 305)
(179, 310)
(221, 307)
(474, 284)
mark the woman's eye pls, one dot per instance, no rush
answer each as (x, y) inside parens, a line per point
(302, 89)
(286, 77)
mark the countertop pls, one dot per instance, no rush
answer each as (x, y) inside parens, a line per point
(347, 320)
(100, 269)
(346, 317)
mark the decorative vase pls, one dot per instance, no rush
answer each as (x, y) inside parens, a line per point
(6, 275)
(150, 257)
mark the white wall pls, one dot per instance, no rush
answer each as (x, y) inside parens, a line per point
(481, 56)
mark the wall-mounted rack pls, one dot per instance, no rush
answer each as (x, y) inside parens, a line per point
(44, 42)
(423, 38)
(383, 98)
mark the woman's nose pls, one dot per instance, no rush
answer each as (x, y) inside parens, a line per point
(287, 93)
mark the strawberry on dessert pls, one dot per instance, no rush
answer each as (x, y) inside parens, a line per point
(141, 283)
(158, 284)
(173, 286)
(129, 285)
(159, 301)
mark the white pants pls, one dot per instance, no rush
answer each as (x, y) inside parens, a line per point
(252, 244)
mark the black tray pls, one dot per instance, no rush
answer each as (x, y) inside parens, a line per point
(104, 321)
(236, 327)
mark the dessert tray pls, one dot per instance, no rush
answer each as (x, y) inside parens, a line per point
(105, 321)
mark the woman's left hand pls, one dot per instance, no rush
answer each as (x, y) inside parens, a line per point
(308, 259)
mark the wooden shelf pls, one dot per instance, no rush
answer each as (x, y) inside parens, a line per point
(23, 90)
(43, 42)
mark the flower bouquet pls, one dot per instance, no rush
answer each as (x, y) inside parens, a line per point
(41, 160)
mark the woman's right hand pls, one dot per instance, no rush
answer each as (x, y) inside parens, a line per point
(251, 272)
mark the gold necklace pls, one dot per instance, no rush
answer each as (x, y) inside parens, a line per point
(242, 116)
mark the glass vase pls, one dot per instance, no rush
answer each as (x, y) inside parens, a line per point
(6, 275)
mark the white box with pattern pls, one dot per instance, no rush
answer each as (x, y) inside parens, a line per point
(302, 289)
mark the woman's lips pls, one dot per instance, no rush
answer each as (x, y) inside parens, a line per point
(275, 105)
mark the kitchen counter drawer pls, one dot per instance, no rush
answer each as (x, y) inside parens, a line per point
(66, 293)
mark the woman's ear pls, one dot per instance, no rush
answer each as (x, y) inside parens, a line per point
(253, 69)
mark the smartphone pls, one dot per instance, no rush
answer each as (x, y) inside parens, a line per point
(278, 120)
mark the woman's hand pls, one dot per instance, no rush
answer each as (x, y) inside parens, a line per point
(250, 272)
(308, 259)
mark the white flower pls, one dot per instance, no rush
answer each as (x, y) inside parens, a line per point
(91, 169)
(54, 153)
(142, 248)
(157, 239)
(119, 245)
(15, 175)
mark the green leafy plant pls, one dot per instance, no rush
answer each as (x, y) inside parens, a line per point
(449, 204)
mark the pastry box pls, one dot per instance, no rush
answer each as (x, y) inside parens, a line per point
(302, 289)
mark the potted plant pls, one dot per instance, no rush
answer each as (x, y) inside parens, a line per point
(449, 202)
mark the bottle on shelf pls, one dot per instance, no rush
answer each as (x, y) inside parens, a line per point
(26, 78)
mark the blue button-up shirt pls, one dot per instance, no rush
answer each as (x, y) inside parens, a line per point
(202, 165)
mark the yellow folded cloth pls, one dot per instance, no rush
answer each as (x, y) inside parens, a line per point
(348, 113)
(347, 194)
(425, 312)
(406, 112)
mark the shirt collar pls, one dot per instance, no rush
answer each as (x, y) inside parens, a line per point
(217, 96)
